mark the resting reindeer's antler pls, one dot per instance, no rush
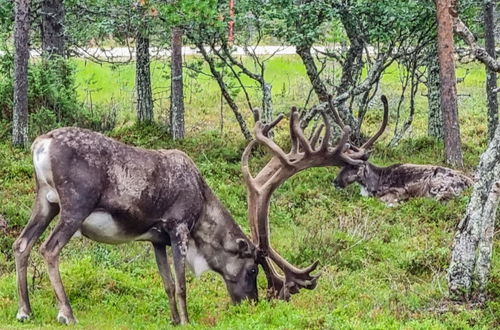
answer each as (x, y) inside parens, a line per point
(363, 151)
(304, 153)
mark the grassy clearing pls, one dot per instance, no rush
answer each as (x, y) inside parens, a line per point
(107, 86)
(382, 268)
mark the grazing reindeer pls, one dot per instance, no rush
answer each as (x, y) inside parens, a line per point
(400, 182)
(114, 193)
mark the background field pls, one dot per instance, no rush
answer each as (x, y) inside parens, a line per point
(382, 268)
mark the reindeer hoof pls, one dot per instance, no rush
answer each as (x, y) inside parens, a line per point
(65, 319)
(22, 316)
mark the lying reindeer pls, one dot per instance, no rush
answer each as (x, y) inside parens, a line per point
(400, 182)
(115, 193)
(397, 183)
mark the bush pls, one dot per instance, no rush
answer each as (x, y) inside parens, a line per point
(52, 98)
(6, 90)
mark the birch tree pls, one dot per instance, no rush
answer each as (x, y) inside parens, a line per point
(144, 95)
(21, 44)
(435, 118)
(176, 86)
(473, 243)
(489, 9)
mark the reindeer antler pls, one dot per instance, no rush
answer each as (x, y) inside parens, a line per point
(363, 151)
(304, 153)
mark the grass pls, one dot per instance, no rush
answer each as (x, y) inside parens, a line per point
(108, 85)
(382, 268)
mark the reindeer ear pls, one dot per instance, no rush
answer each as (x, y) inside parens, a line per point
(244, 248)
(242, 244)
(238, 246)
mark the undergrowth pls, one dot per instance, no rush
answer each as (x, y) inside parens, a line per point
(381, 268)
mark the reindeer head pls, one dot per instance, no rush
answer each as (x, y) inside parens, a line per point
(359, 172)
(349, 174)
(240, 270)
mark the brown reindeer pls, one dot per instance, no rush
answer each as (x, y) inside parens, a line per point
(400, 182)
(114, 193)
(397, 183)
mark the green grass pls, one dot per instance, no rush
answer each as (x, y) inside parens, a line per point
(382, 268)
(113, 85)
(107, 86)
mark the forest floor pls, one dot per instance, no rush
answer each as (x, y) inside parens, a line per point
(381, 268)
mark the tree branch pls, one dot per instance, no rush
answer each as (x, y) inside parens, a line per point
(477, 51)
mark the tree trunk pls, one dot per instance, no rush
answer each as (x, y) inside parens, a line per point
(449, 107)
(52, 27)
(491, 76)
(176, 87)
(21, 43)
(351, 69)
(267, 102)
(143, 79)
(435, 118)
(225, 93)
(319, 87)
(473, 243)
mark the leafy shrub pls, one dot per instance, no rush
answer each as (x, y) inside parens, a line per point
(42, 121)
(52, 98)
(52, 86)
(6, 89)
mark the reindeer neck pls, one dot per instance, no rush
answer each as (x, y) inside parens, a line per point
(371, 177)
(214, 229)
(375, 169)
(373, 172)
(382, 176)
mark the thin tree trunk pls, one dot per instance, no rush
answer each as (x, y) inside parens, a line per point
(225, 93)
(267, 102)
(52, 27)
(449, 107)
(21, 43)
(319, 87)
(491, 76)
(143, 79)
(473, 244)
(177, 88)
(266, 88)
(435, 118)
(351, 68)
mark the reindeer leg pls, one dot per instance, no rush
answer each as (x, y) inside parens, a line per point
(164, 269)
(69, 223)
(393, 196)
(179, 247)
(42, 214)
